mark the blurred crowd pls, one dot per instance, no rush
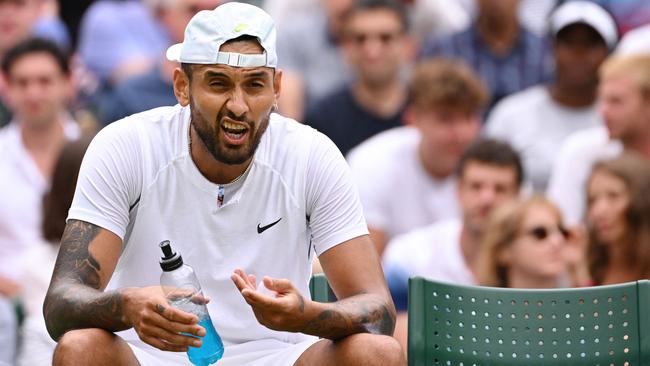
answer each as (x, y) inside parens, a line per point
(493, 142)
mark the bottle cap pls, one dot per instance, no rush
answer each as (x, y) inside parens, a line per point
(170, 259)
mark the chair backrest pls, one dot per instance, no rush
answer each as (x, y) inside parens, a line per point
(467, 325)
(320, 289)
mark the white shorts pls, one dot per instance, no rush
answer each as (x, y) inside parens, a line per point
(264, 352)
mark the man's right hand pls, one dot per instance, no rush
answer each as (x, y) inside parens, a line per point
(159, 324)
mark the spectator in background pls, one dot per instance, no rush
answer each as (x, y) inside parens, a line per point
(38, 262)
(120, 39)
(153, 88)
(526, 246)
(489, 173)
(508, 57)
(624, 103)
(618, 213)
(374, 43)
(405, 175)
(316, 68)
(20, 19)
(38, 86)
(536, 121)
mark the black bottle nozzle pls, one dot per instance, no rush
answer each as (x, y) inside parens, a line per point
(170, 260)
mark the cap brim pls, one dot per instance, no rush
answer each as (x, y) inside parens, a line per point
(174, 52)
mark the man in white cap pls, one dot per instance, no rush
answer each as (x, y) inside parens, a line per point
(535, 121)
(242, 193)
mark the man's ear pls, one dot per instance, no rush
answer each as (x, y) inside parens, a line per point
(277, 83)
(181, 87)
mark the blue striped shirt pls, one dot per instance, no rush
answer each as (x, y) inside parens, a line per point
(527, 63)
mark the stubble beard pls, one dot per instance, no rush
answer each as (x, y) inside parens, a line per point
(218, 149)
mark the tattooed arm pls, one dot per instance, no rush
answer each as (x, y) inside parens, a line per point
(356, 277)
(85, 263)
(76, 298)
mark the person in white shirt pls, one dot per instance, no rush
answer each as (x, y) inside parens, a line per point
(38, 85)
(243, 194)
(489, 173)
(37, 347)
(535, 121)
(405, 174)
(624, 103)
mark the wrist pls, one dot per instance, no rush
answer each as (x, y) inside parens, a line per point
(127, 298)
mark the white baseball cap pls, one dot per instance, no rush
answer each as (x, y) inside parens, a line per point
(209, 29)
(585, 12)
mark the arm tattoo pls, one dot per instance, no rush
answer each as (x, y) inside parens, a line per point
(363, 313)
(75, 299)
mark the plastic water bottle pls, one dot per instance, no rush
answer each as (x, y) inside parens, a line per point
(183, 291)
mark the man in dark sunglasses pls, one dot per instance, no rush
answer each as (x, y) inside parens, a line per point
(375, 43)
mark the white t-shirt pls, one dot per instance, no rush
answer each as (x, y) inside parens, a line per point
(579, 153)
(139, 181)
(432, 251)
(397, 193)
(21, 197)
(535, 125)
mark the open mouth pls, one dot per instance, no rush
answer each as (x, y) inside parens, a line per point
(234, 133)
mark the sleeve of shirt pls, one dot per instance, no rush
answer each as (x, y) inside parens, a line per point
(333, 206)
(109, 179)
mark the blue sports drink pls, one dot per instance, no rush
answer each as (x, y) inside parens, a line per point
(183, 291)
(212, 348)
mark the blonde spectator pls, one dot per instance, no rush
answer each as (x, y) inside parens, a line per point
(526, 246)
(618, 213)
(624, 104)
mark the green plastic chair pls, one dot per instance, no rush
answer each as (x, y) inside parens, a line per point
(483, 326)
(320, 289)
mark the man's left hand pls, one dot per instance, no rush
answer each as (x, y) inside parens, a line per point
(284, 312)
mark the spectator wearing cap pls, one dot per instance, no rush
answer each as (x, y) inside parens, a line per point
(496, 46)
(624, 104)
(375, 42)
(536, 121)
(243, 194)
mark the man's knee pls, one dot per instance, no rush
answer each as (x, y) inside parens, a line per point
(76, 346)
(377, 350)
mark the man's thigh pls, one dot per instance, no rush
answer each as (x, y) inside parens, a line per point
(357, 349)
(255, 353)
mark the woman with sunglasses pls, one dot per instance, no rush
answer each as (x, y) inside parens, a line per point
(618, 220)
(526, 246)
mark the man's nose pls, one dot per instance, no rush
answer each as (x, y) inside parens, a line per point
(237, 103)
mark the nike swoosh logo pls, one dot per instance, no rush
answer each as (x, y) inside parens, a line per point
(261, 229)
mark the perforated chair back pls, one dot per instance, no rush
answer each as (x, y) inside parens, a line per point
(320, 289)
(472, 326)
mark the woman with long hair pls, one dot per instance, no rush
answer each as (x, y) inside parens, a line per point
(526, 246)
(618, 220)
